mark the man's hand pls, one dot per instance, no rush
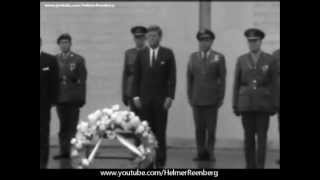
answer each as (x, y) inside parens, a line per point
(137, 102)
(167, 103)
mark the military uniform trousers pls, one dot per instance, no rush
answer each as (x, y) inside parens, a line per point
(205, 118)
(69, 116)
(256, 125)
(44, 136)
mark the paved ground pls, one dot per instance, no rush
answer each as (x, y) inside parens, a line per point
(118, 157)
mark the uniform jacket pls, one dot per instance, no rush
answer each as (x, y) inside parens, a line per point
(49, 80)
(73, 77)
(158, 81)
(206, 79)
(255, 85)
(276, 54)
(128, 75)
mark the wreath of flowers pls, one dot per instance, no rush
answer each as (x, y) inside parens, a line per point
(111, 123)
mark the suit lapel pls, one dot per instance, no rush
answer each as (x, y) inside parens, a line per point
(160, 56)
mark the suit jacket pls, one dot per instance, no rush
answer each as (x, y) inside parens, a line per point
(158, 81)
(255, 85)
(206, 80)
(128, 75)
(49, 80)
(73, 77)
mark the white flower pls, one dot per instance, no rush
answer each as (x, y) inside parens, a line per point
(140, 129)
(73, 141)
(102, 127)
(82, 126)
(131, 115)
(145, 124)
(85, 162)
(94, 116)
(74, 153)
(107, 111)
(78, 145)
(115, 107)
(118, 119)
(135, 121)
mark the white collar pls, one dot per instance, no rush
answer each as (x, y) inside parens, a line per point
(207, 54)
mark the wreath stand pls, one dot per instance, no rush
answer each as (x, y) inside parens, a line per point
(144, 161)
(113, 124)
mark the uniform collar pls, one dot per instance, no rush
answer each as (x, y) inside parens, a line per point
(207, 55)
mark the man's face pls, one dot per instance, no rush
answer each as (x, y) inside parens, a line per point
(65, 45)
(153, 38)
(254, 44)
(140, 41)
(205, 44)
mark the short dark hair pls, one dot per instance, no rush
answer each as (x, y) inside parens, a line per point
(155, 28)
(64, 36)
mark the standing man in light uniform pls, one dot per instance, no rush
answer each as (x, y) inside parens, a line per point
(139, 34)
(72, 93)
(254, 97)
(206, 80)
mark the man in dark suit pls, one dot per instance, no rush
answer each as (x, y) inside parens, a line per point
(276, 54)
(49, 79)
(206, 80)
(154, 87)
(254, 97)
(72, 93)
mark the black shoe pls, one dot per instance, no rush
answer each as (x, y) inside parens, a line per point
(62, 156)
(211, 158)
(160, 165)
(201, 157)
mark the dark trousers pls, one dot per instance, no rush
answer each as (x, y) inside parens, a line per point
(44, 137)
(69, 116)
(279, 125)
(255, 124)
(205, 118)
(154, 113)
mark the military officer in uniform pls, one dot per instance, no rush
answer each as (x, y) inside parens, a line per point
(139, 33)
(254, 97)
(49, 81)
(206, 81)
(276, 54)
(72, 93)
